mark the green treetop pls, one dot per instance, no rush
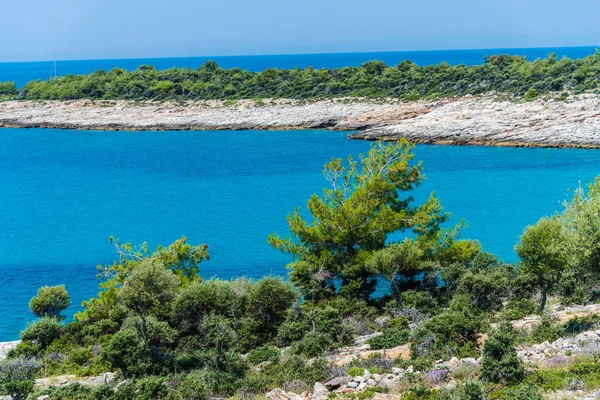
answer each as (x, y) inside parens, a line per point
(365, 203)
(50, 301)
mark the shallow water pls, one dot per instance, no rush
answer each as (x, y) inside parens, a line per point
(63, 193)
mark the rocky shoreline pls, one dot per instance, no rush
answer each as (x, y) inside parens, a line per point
(482, 120)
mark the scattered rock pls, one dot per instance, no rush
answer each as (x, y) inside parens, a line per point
(337, 382)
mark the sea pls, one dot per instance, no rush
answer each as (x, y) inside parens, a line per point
(63, 193)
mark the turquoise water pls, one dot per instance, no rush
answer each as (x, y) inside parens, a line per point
(63, 193)
(22, 72)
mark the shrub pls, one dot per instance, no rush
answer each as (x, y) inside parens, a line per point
(519, 307)
(546, 330)
(125, 350)
(390, 338)
(445, 335)
(313, 345)
(470, 390)
(17, 377)
(50, 302)
(581, 324)
(531, 94)
(500, 363)
(521, 392)
(264, 353)
(193, 388)
(268, 301)
(356, 371)
(43, 331)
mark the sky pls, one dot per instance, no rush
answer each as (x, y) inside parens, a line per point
(96, 29)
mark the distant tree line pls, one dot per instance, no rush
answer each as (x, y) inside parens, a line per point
(512, 75)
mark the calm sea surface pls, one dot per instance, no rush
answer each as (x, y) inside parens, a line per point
(63, 193)
(22, 72)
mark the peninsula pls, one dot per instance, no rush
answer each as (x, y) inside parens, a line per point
(469, 120)
(506, 101)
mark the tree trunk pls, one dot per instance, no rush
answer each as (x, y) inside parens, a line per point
(543, 299)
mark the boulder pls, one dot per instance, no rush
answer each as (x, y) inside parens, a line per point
(337, 382)
(454, 363)
(319, 390)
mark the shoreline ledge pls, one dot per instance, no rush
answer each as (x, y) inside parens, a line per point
(479, 120)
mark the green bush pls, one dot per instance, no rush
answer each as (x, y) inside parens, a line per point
(531, 94)
(500, 363)
(50, 302)
(126, 351)
(522, 392)
(519, 307)
(17, 377)
(390, 338)
(469, 390)
(581, 324)
(355, 371)
(313, 345)
(546, 331)
(43, 331)
(264, 353)
(446, 335)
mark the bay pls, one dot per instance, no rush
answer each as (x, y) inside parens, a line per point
(64, 192)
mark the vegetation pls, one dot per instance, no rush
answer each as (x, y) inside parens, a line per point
(50, 302)
(511, 75)
(369, 258)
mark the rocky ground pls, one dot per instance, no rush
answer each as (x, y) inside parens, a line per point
(482, 120)
(544, 355)
(486, 121)
(344, 114)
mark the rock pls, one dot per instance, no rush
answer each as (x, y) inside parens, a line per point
(382, 322)
(319, 390)
(454, 363)
(470, 361)
(337, 382)
(359, 379)
(353, 384)
(367, 375)
(5, 347)
(377, 377)
(109, 377)
(371, 382)
(410, 369)
(362, 386)
(44, 397)
(278, 394)
(397, 371)
(481, 120)
(359, 341)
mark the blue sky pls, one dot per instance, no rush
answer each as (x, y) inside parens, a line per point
(88, 29)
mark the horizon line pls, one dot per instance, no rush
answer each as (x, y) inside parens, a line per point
(297, 54)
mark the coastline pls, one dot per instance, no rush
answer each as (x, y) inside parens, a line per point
(481, 120)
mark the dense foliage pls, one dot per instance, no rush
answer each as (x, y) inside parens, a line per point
(511, 75)
(369, 259)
